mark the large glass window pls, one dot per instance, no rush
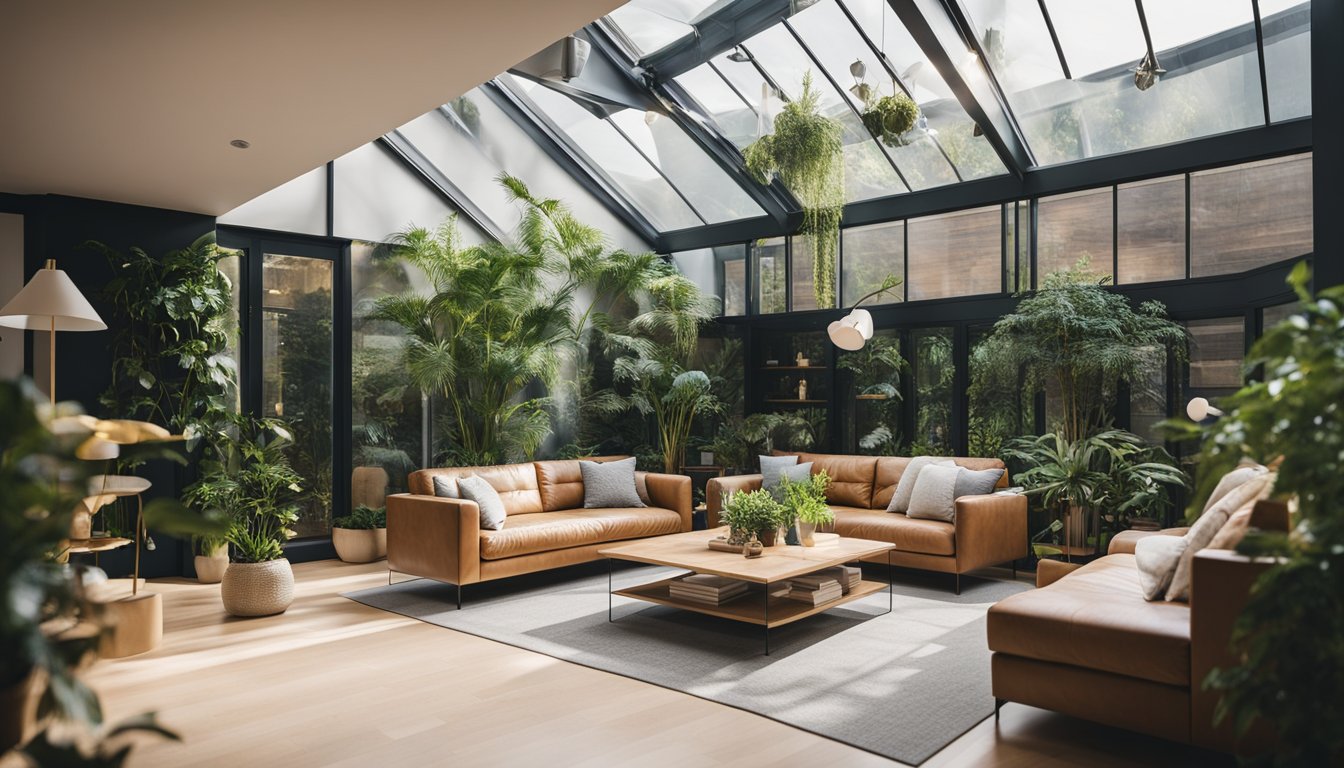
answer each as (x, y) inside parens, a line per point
(871, 413)
(771, 258)
(955, 254)
(1150, 230)
(870, 254)
(803, 274)
(934, 398)
(1075, 226)
(993, 417)
(297, 350)
(1287, 29)
(651, 25)
(1246, 216)
(389, 436)
(1217, 355)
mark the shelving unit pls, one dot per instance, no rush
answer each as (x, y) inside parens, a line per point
(776, 385)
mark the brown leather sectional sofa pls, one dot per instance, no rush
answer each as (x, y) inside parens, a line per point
(989, 530)
(1087, 644)
(547, 526)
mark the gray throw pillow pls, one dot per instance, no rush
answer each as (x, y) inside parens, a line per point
(446, 488)
(610, 484)
(976, 482)
(476, 489)
(934, 494)
(772, 466)
(900, 499)
(798, 473)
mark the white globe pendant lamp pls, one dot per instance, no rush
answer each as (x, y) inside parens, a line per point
(854, 330)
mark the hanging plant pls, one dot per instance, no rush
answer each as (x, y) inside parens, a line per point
(891, 117)
(807, 154)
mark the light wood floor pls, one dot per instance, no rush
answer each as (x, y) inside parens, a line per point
(335, 683)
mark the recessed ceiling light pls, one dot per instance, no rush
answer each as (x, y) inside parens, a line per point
(240, 143)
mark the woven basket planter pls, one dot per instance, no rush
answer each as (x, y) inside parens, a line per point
(258, 589)
(360, 545)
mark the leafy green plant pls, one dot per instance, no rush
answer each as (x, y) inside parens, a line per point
(891, 117)
(363, 518)
(44, 617)
(1288, 635)
(252, 485)
(1080, 340)
(748, 512)
(806, 500)
(806, 152)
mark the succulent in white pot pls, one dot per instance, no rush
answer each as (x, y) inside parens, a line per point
(212, 559)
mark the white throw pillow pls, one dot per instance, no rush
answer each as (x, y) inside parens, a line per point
(900, 499)
(935, 493)
(446, 487)
(1207, 526)
(476, 489)
(1156, 558)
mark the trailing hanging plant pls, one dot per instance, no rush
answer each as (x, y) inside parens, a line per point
(891, 117)
(806, 152)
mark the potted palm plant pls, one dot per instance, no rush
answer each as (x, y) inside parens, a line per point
(805, 506)
(361, 536)
(253, 485)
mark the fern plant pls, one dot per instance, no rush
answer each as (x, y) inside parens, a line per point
(806, 153)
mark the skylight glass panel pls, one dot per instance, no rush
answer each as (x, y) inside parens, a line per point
(1287, 26)
(868, 173)
(717, 101)
(615, 157)
(710, 190)
(651, 25)
(835, 43)
(1212, 83)
(947, 121)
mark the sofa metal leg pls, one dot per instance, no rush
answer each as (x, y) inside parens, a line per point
(957, 583)
(1014, 570)
(998, 705)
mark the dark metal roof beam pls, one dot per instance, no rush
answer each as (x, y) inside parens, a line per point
(715, 33)
(410, 156)
(938, 31)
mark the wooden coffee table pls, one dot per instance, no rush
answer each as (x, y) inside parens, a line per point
(690, 551)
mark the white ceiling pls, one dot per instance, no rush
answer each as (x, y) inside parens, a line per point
(137, 101)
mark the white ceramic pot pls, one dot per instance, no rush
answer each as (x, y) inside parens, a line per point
(257, 589)
(360, 545)
(806, 533)
(210, 568)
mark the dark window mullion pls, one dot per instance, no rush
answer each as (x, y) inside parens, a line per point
(658, 170)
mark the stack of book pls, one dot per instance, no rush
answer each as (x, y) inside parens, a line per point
(814, 590)
(848, 576)
(707, 589)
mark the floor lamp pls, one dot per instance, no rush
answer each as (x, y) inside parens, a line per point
(51, 302)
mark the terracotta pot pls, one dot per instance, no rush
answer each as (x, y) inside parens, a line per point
(258, 589)
(210, 568)
(360, 546)
(18, 711)
(806, 532)
(767, 537)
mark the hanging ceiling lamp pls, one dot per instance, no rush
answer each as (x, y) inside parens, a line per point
(1148, 72)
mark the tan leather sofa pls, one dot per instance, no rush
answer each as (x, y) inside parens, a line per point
(547, 526)
(989, 530)
(1087, 644)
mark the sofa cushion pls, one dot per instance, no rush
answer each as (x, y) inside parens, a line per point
(487, 499)
(515, 483)
(978, 482)
(772, 467)
(609, 484)
(548, 531)
(851, 477)
(1096, 618)
(446, 487)
(900, 498)
(1207, 526)
(927, 537)
(934, 493)
(891, 468)
(798, 473)
(560, 484)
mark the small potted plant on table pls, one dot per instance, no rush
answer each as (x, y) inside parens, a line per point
(748, 512)
(212, 558)
(805, 505)
(361, 536)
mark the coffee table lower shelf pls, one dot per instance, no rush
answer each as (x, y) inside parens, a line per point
(749, 608)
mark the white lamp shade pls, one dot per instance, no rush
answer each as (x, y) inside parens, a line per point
(1198, 409)
(845, 336)
(862, 320)
(51, 296)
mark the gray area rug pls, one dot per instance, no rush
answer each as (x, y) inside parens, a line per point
(903, 685)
